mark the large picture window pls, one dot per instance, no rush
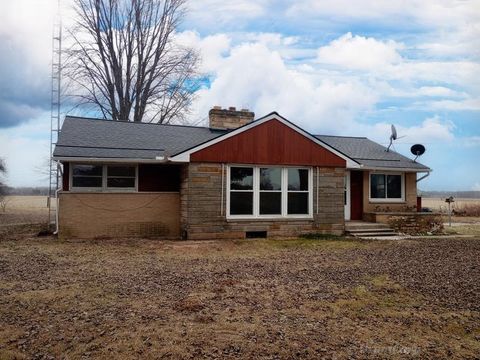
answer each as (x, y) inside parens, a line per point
(269, 192)
(386, 187)
(104, 177)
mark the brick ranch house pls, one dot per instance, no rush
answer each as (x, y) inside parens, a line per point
(237, 178)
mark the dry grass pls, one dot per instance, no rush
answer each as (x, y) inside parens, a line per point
(239, 299)
(439, 204)
(24, 210)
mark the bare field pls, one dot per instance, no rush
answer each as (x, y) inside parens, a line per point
(439, 204)
(332, 299)
(24, 210)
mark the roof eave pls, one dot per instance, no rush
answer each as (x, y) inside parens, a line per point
(401, 169)
(158, 160)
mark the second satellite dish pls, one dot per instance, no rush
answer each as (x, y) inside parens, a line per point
(417, 150)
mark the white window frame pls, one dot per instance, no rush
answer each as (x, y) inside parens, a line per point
(386, 199)
(104, 187)
(284, 192)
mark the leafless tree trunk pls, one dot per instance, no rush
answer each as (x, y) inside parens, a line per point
(3, 170)
(124, 60)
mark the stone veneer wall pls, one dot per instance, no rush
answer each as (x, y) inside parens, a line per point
(97, 215)
(204, 217)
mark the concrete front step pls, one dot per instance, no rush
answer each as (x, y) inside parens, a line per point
(374, 234)
(366, 229)
(369, 230)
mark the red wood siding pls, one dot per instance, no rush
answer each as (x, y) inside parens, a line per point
(153, 177)
(270, 143)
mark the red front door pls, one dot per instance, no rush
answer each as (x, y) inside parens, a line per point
(356, 195)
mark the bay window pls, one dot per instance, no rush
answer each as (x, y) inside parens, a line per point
(266, 192)
(386, 187)
(98, 177)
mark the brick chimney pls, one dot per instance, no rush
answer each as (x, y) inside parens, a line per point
(230, 118)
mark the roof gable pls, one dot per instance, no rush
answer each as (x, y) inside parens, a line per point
(260, 143)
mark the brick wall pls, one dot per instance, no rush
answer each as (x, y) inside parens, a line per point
(90, 215)
(205, 216)
(409, 204)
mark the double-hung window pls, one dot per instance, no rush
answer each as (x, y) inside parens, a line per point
(269, 192)
(386, 187)
(241, 191)
(298, 191)
(98, 177)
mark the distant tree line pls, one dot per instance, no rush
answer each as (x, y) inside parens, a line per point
(37, 191)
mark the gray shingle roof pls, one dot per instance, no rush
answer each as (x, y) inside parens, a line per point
(94, 138)
(369, 153)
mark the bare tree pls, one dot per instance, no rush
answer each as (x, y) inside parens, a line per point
(3, 171)
(3, 187)
(125, 61)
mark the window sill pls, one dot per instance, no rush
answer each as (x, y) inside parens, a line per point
(386, 201)
(116, 192)
(260, 219)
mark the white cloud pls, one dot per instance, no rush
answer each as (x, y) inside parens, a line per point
(25, 150)
(358, 52)
(212, 48)
(430, 130)
(225, 13)
(459, 105)
(256, 77)
(430, 13)
(440, 91)
(476, 186)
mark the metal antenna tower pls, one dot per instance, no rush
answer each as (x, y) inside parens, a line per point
(55, 122)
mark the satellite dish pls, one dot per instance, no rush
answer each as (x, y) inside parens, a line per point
(394, 133)
(393, 136)
(417, 150)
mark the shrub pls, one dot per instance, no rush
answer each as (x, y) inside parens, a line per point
(467, 210)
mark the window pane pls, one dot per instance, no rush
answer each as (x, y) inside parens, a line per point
(271, 179)
(394, 186)
(377, 186)
(92, 170)
(270, 203)
(87, 181)
(241, 203)
(241, 178)
(298, 179)
(113, 182)
(121, 171)
(297, 203)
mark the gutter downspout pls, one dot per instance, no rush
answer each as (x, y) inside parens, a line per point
(57, 202)
(423, 177)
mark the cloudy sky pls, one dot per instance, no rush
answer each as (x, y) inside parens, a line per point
(339, 67)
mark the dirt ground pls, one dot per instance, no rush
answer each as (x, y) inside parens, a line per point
(332, 299)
